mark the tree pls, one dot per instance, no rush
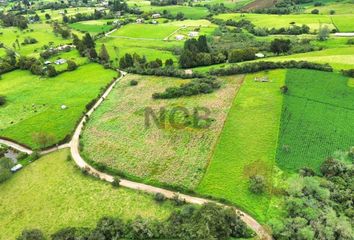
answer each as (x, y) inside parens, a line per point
(116, 182)
(284, 89)
(71, 65)
(2, 100)
(65, 19)
(104, 57)
(51, 71)
(42, 139)
(92, 53)
(180, 16)
(202, 44)
(257, 184)
(315, 11)
(169, 62)
(280, 46)
(111, 228)
(88, 41)
(323, 33)
(332, 167)
(47, 16)
(332, 12)
(33, 234)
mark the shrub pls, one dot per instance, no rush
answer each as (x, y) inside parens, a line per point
(177, 200)
(315, 11)
(257, 184)
(159, 197)
(34, 156)
(116, 182)
(2, 100)
(332, 12)
(71, 65)
(350, 41)
(306, 172)
(332, 167)
(239, 55)
(133, 83)
(33, 234)
(284, 89)
(349, 72)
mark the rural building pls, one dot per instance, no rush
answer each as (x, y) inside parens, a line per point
(156, 15)
(139, 20)
(193, 34)
(259, 55)
(47, 62)
(179, 37)
(60, 61)
(16, 168)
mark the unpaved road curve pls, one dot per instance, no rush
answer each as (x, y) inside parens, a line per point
(74, 148)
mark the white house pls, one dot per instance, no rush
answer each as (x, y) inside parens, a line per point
(47, 62)
(193, 34)
(156, 15)
(139, 20)
(16, 168)
(179, 37)
(60, 61)
(259, 55)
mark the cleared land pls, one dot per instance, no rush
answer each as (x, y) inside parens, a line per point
(189, 12)
(149, 31)
(43, 33)
(317, 119)
(116, 134)
(70, 199)
(247, 145)
(339, 8)
(34, 103)
(93, 27)
(278, 21)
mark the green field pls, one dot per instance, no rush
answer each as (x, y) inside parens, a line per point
(52, 193)
(58, 14)
(117, 137)
(345, 23)
(34, 103)
(148, 31)
(339, 8)
(189, 12)
(278, 21)
(247, 145)
(317, 119)
(43, 33)
(93, 26)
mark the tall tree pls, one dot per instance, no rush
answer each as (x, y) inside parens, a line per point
(104, 56)
(88, 41)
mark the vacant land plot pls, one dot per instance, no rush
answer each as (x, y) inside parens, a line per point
(34, 103)
(247, 145)
(58, 14)
(116, 134)
(189, 12)
(43, 33)
(93, 27)
(339, 8)
(278, 21)
(345, 23)
(148, 31)
(71, 199)
(317, 119)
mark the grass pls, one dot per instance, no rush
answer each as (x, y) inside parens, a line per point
(189, 12)
(247, 145)
(43, 33)
(70, 199)
(57, 14)
(339, 8)
(149, 31)
(116, 134)
(93, 27)
(317, 119)
(278, 21)
(34, 103)
(345, 23)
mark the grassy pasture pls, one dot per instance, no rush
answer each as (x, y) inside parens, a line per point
(247, 145)
(73, 55)
(93, 27)
(43, 33)
(57, 14)
(317, 119)
(34, 103)
(70, 199)
(345, 23)
(278, 21)
(189, 12)
(116, 134)
(339, 8)
(149, 31)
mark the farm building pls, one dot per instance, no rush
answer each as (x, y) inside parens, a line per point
(16, 168)
(60, 61)
(179, 37)
(156, 15)
(259, 55)
(193, 34)
(139, 20)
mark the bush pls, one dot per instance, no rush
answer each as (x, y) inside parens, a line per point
(2, 100)
(116, 182)
(257, 184)
(33, 234)
(239, 55)
(315, 11)
(350, 41)
(34, 156)
(71, 65)
(284, 89)
(133, 83)
(159, 197)
(349, 72)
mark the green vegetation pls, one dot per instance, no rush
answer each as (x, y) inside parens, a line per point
(117, 136)
(34, 104)
(52, 193)
(317, 119)
(189, 12)
(247, 145)
(93, 26)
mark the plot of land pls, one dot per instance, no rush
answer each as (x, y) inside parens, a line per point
(278, 21)
(339, 8)
(148, 31)
(52, 193)
(93, 27)
(189, 12)
(247, 145)
(317, 119)
(116, 134)
(34, 103)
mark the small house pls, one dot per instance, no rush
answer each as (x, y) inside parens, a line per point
(193, 34)
(63, 107)
(154, 22)
(47, 62)
(259, 55)
(179, 37)
(139, 20)
(16, 168)
(60, 61)
(156, 15)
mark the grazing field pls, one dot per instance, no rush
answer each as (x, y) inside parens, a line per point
(317, 119)
(345, 23)
(92, 27)
(43, 33)
(34, 103)
(278, 21)
(247, 145)
(117, 136)
(148, 31)
(189, 12)
(339, 8)
(73, 55)
(58, 14)
(52, 193)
